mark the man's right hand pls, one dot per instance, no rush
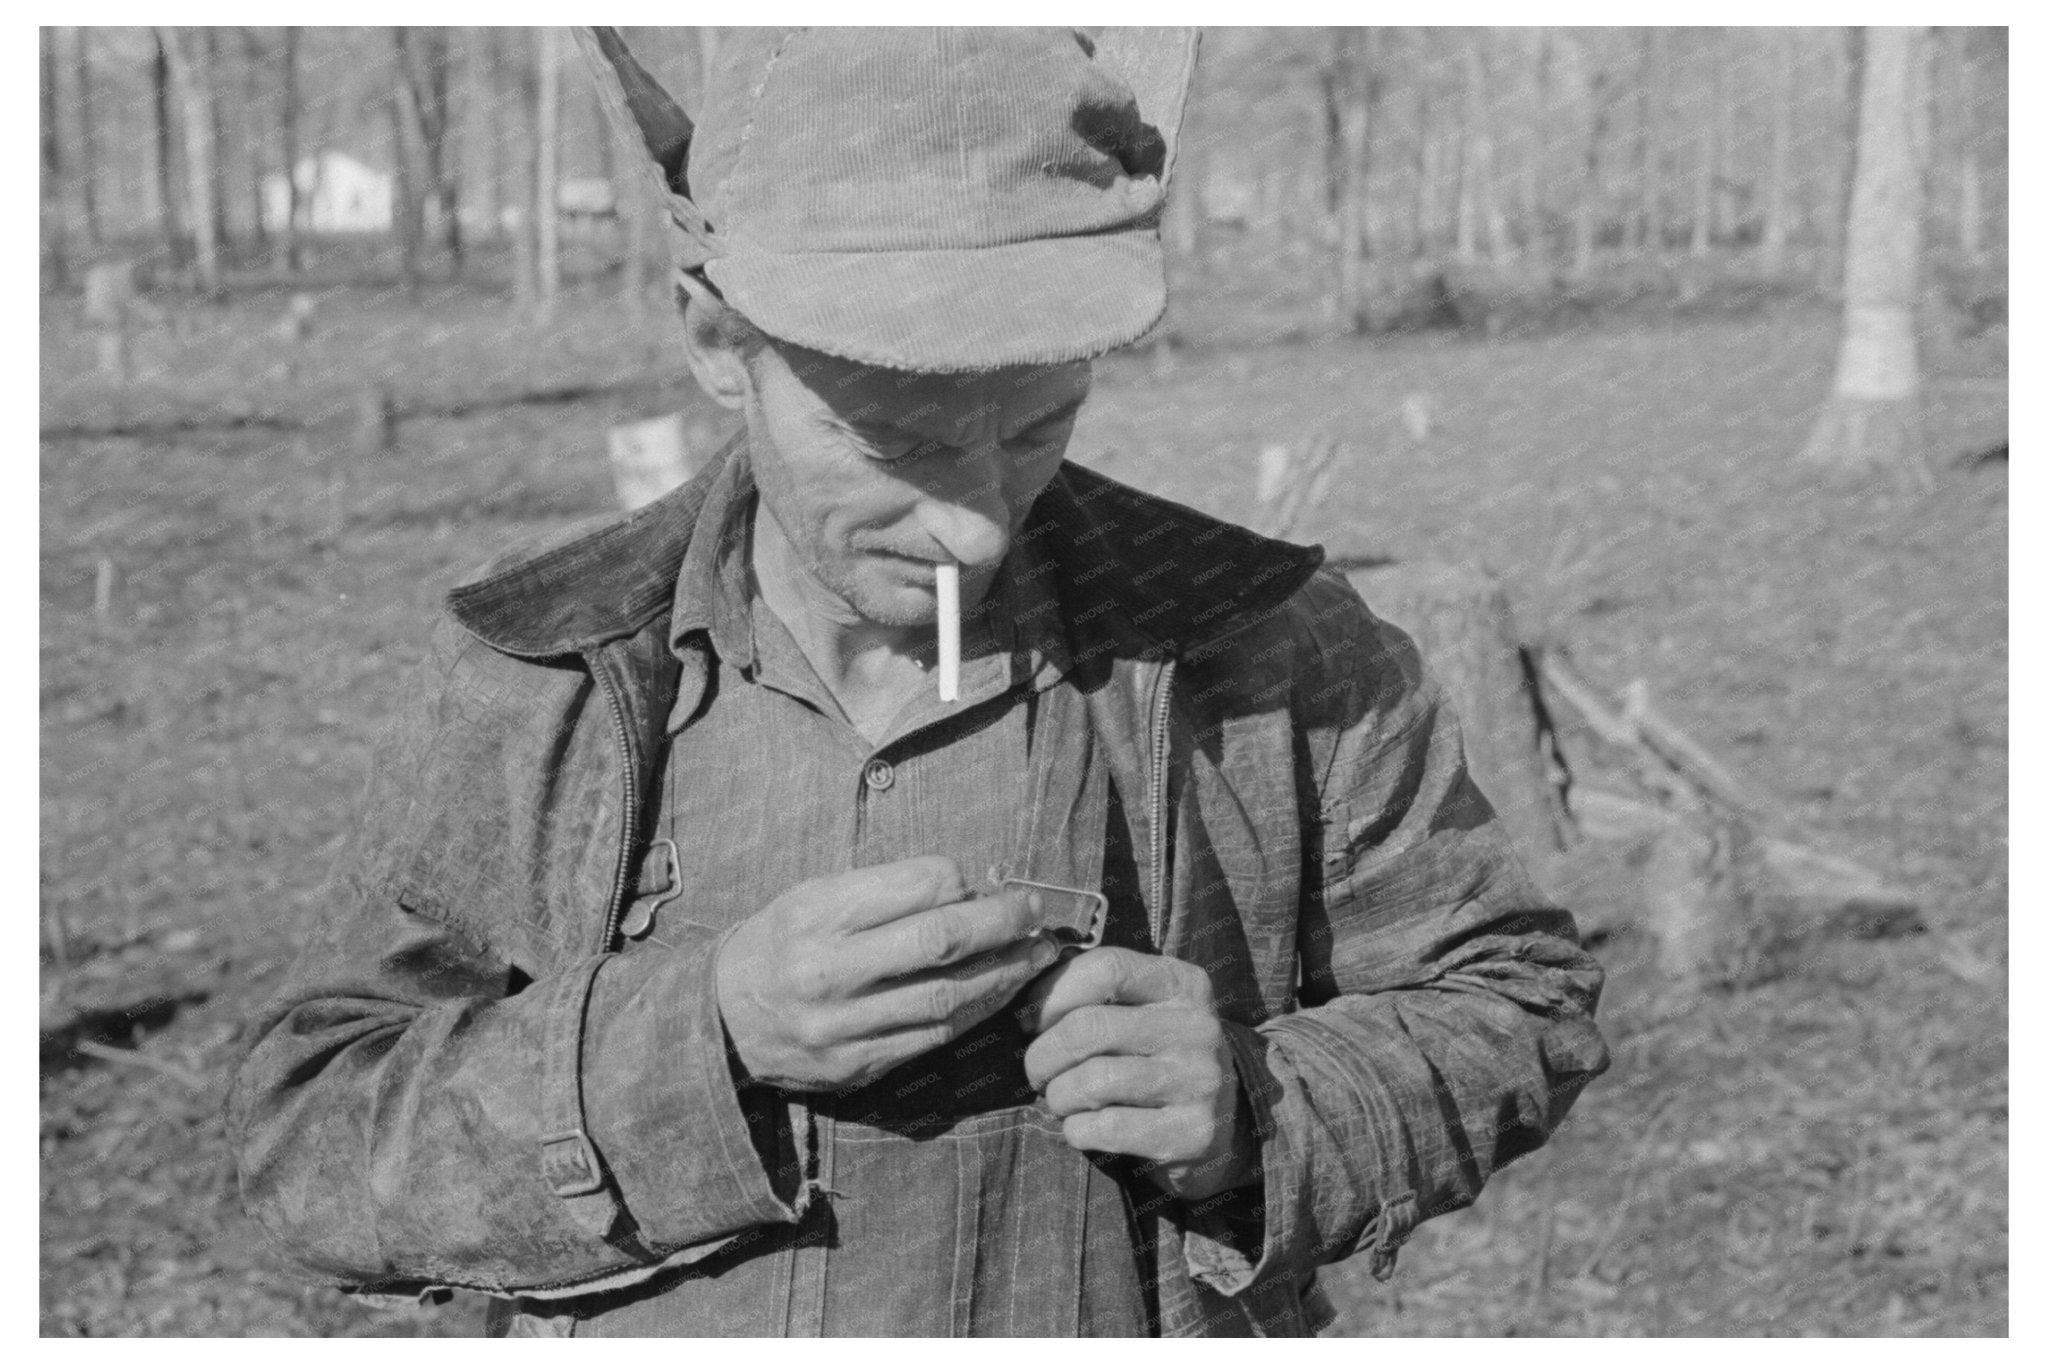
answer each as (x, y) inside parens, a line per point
(842, 978)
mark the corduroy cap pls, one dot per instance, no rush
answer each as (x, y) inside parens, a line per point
(939, 199)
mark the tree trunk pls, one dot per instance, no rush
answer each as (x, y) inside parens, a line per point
(423, 61)
(1474, 149)
(1724, 135)
(1703, 190)
(547, 123)
(1649, 142)
(405, 217)
(196, 123)
(1849, 84)
(1871, 418)
(1459, 617)
(1350, 85)
(632, 193)
(216, 178)
(517, 68)
(1535, 204)
(249, 133)
(1423, 216)
(1586, 220)
(484, 133)
(1778, 180)
(1480, 168)
(1969, 180)
(288, 118)
(88, 140)
(170, 217)
(54, 198)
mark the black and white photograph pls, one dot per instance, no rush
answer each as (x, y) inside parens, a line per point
(902, 681)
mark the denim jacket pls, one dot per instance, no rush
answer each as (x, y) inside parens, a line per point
(1406, 1013)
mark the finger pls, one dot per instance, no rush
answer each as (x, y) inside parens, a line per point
(888, 891)
(956, 997)
(1118, 1082)
(1154, 1134)
(1098, 1030)
(940, 937)
(1114, 975)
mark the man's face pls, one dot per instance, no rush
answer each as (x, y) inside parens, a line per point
(876, 475)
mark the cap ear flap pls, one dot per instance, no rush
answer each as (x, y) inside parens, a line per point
(1159, 66)
(637, 106)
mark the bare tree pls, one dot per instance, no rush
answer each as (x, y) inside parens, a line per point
(1778, 176)
(53, 195)
(1652, 69)
(170, 211)
(547, 163)
(1478, 203)
(1723, 184)
(288, 120)
(423, 64)
(84, 119)
(1587, 212)
(1848, 69)
(1535, 203)
(1350, 81)
(1708, 153)
(205, 60)
(249, 134)
(1423, 209)
(1961, 137)
(188, 85)
(515, 64)
(483, 133)
(1871, 417)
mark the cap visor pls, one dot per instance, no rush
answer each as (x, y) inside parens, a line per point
(1031, 303)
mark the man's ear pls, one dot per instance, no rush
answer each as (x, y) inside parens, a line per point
(716, 358)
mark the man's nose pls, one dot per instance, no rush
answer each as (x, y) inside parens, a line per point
(966, 506)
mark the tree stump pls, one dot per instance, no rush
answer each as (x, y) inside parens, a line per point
(1458, 615)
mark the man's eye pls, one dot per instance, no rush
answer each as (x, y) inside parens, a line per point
(890, 449)
(1045, 432)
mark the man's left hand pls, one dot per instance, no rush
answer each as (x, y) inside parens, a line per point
(1131, 1054)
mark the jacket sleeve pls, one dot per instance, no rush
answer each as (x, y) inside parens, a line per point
(1446, 1019)
(415, 1113)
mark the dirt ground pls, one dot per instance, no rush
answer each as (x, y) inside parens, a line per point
(1821, 1152)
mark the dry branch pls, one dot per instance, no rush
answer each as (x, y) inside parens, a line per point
(122, 1056)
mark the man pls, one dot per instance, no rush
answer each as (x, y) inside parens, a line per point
(697, 969)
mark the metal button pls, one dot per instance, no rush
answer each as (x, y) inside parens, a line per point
(879, 775)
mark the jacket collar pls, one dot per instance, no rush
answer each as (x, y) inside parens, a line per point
(1136, 573)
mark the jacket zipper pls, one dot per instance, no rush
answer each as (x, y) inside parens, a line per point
(632, 812)
(1161, 718)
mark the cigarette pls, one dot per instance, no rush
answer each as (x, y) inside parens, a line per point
(948, 577)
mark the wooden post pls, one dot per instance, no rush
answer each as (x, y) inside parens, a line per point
(110, 310)
(1458, 615)
(376, 424)
(650, 458)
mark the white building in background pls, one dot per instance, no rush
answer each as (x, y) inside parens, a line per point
(337, 193)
